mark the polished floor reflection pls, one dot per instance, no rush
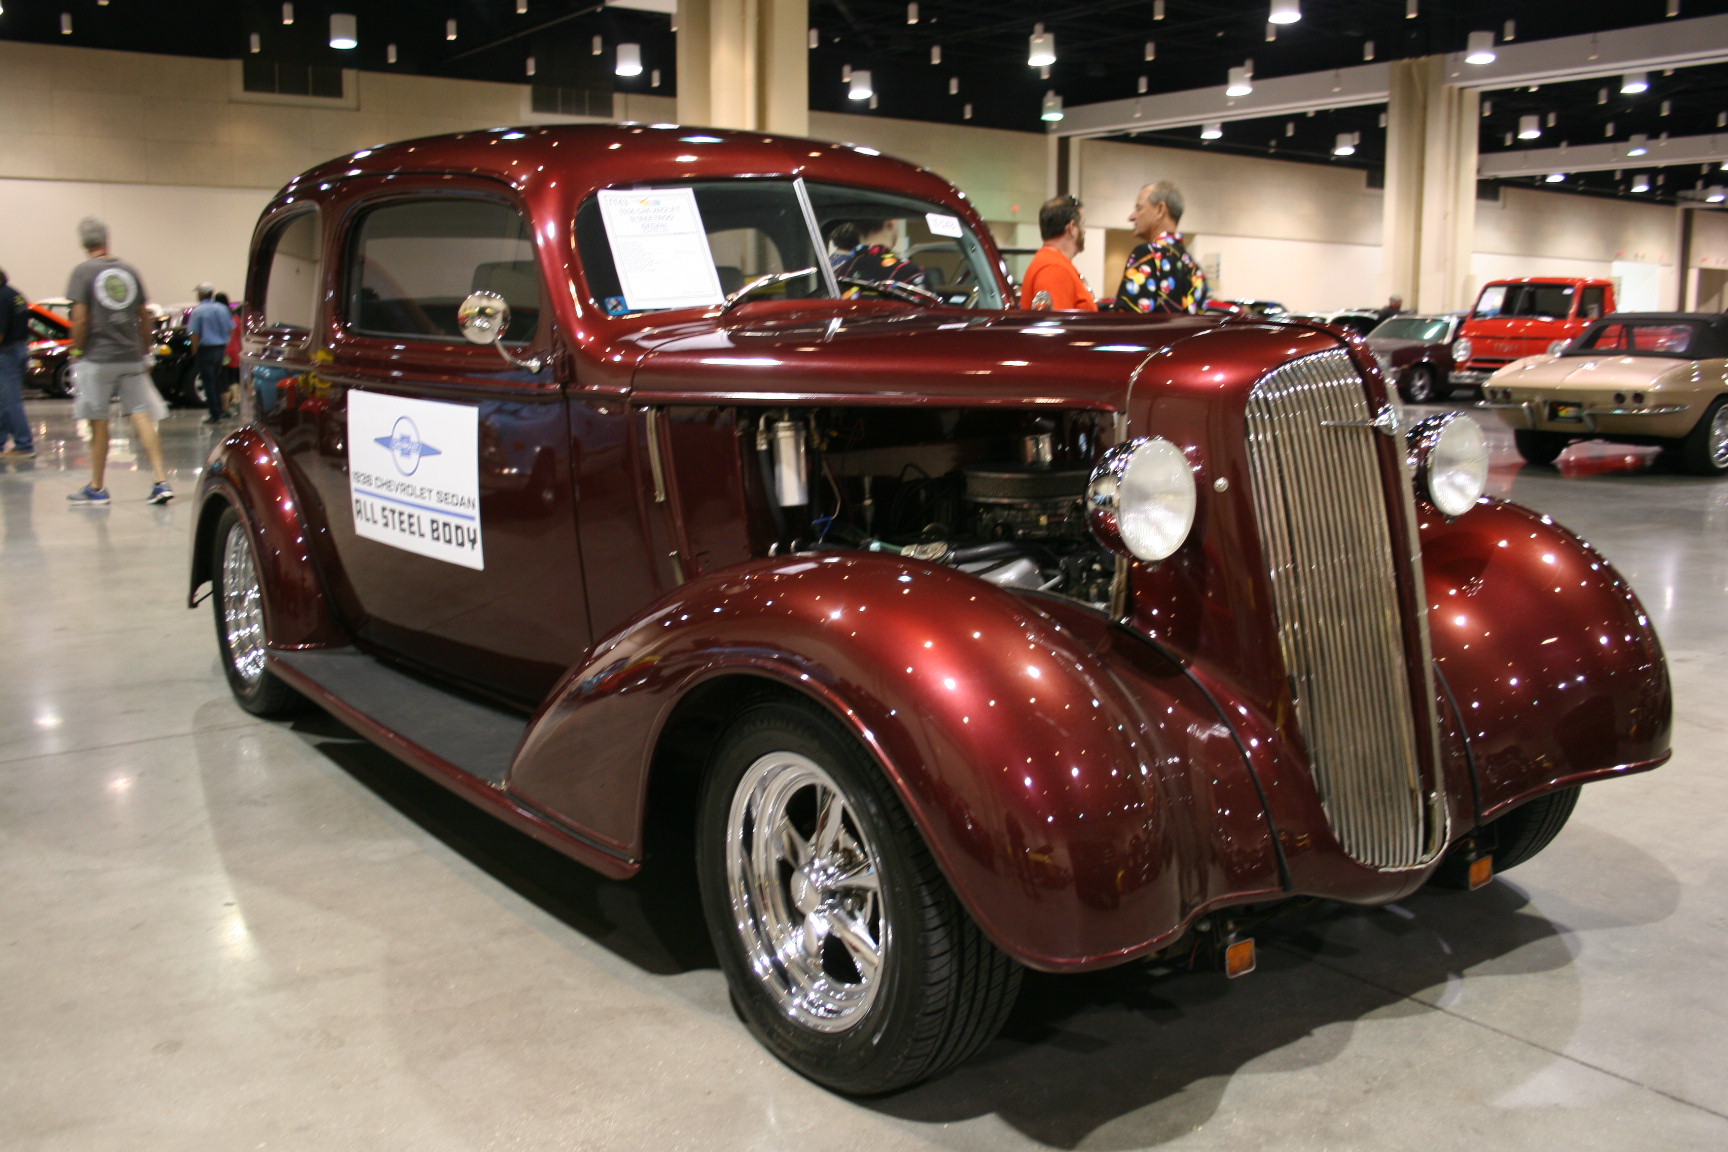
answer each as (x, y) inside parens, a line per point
(222, 933)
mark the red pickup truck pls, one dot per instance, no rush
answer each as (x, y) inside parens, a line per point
(1517, 318)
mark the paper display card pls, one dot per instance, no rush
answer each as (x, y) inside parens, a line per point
(659, 248)
(942, 224)
(414, 476)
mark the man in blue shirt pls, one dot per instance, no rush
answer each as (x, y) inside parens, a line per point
(210, 325)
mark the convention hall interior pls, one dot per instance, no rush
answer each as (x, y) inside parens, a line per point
(226, 931)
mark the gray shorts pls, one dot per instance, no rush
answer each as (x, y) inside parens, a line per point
(97, 384)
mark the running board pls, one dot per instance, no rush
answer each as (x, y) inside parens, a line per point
(453, 732)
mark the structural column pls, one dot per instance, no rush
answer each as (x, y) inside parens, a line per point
(744, 64)
(1429, 219)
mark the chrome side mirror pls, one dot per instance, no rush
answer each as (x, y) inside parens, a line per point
(484, 317)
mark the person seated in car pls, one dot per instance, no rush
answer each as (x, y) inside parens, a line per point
(872, 256)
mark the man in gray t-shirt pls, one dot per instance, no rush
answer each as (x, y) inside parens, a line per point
(110, 332)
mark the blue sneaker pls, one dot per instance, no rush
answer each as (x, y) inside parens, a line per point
(89, 495)
(161, 493)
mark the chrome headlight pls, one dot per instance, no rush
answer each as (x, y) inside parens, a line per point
(1449, 455)
(1559, 346)
(1142, 497)
(1461, 349)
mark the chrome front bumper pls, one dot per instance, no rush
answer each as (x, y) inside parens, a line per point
(1588, 417)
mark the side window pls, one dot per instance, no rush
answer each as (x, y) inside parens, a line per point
(291, 275)
(1592, 306)
(413, 262)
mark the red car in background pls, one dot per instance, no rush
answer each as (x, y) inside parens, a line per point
(960, 639)
(50, 344)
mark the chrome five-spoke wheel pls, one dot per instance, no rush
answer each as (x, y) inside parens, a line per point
(805, 893)
(845, 949)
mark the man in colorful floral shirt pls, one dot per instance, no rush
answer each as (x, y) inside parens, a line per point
(1160, 276)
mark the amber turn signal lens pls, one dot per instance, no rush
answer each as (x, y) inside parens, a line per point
(1239, 958)
(1481, 871)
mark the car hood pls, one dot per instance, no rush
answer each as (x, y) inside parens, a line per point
(955, 358)
(1610, 372)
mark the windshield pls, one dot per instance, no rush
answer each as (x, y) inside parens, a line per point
(693, 245)
(1430, 331)
(1535, 301)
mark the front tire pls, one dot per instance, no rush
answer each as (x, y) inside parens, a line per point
(1516, 836)
(847, 953)
(1704, 452)
(238, 600)
(1539, 447)
(59, 385)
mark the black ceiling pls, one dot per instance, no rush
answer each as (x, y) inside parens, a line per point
(1101, 48)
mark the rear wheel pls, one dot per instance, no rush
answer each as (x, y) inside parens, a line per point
(847, 954)
(1423, 386)
(1704, 452)
(1539, 447)
(238, 600)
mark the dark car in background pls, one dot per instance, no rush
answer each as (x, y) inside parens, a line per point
(174, 372)
(946, 639)
(1415, 355)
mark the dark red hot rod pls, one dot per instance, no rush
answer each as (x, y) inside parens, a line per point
(580, 460)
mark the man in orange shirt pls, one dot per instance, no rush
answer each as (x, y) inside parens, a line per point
(1052, 276)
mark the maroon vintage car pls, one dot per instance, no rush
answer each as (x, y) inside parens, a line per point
(1415, 355)
(979, 639)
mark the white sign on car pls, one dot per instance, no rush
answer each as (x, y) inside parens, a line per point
(414, 476)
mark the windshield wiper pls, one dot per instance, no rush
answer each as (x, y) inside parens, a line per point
(899, 289)
(767, 281)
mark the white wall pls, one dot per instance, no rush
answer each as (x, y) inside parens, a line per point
(1307, 235)
(1532, 233)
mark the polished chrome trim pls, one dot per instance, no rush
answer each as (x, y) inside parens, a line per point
(1324, 525)
(656, 469)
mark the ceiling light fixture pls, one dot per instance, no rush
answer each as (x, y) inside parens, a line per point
(860, 85)
(935, 53)
(389, 53)
(1479, 48)
(815, 38)
(1716, 194)
(254, 43)
(1410, 10)
(1042, 50)
(1367, 49)
(1554, 178)
(343, 32)
(629, 61)
(528, 66)
(1641, 182)
(953, 85)
(1635, 82)
(1151, 50)
(450, 28)
(522, 10)
(1285, 12)
(1638, 145)
(1529, 127)
(1211, 130)
(1345, 144)
(287, 13)
(65, 23)
(1239, 83)
(654, 78)
(966, 112)
(1052, 107)
(599, 46)
(1157, 9)
(912, 12)
(1142, 85)
(1510, 32)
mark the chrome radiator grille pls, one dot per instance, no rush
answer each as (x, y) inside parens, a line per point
(1327, 535)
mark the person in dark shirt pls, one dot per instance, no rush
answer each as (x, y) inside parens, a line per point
(14, 354)
(1160, 276)
(872, 256)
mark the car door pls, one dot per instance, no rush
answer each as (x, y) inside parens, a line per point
(443, 472)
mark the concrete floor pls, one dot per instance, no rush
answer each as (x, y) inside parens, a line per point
(222, 933)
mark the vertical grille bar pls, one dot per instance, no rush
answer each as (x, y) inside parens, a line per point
(1327, 535)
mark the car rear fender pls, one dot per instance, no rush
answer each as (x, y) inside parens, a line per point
(245, 472)
(1080, 792)
(1556, 671)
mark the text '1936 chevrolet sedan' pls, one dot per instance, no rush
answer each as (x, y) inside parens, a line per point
(588, 469)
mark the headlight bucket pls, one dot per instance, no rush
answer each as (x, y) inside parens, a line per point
(1142, 498)
(1449, 455)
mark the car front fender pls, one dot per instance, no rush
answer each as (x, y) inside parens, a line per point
(1082, 795)
(1556, 671)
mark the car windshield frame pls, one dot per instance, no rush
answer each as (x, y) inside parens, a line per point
(773, 252)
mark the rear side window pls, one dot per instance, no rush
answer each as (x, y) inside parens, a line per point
(291, 273)
(413, 262)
